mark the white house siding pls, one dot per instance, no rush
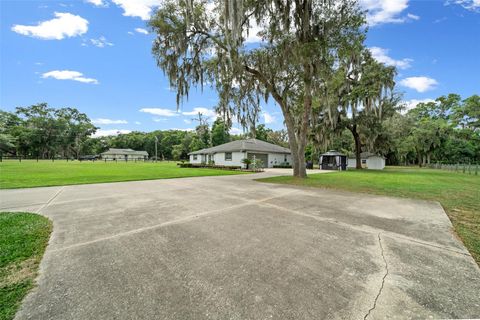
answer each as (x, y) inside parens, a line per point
(351, 163)
(237, 157)
(198, 160)
(372, 162)
(375, 163)
(275, 159)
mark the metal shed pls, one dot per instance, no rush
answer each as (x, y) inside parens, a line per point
(333, 160)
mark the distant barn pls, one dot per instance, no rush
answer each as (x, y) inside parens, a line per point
(124, 154)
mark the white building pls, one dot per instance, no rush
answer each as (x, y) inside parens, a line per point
(124, 154)
(232, 154)
(369, 161)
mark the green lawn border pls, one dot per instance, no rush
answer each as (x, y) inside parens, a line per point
(24, 238)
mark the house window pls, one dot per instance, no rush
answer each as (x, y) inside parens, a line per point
(194, 157)
(228, 156)
(364, 161)
(285, 158)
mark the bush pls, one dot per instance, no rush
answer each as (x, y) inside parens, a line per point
(210, 166)
(283, 166)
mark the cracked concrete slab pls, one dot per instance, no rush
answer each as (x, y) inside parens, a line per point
(230, 247)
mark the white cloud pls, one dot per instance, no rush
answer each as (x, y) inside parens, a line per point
(130, 33)
(236, 131)
(182, 129)
(68, 75)
(141, 30)
(386, 11)
(63, 26)
(187, 121)
(472, 5)
(108, 121)
(381, 55)
(268, 118)
(160, 112)
(410, 104)
(253, 33)
(98, 3)
(112, 132)
(138, 8)
(101, 42)
(209, 113)
(413, 16)
(159, 119)
(138, 122)
(420, 84)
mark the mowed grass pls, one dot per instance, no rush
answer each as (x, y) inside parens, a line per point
(30, 173)
(23, 238)
(459, 193)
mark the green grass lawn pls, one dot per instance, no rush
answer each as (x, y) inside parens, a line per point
(30, 173)
(459, 193)
(23, 238)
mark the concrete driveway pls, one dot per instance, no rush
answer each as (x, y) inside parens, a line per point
(232, 248)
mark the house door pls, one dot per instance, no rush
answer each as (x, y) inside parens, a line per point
(259, 156)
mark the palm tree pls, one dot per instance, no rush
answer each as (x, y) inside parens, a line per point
(247, 162)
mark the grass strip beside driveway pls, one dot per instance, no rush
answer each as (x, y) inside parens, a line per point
(44, 173)
(459, 193)
(23, 239)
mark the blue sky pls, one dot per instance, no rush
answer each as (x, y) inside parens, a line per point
(95, 55)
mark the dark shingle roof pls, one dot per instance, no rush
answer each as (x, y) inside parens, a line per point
(244, 145)
(114, 151)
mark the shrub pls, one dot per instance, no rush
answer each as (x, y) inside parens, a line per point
(283, 165)
(204, 165)
(247, 162)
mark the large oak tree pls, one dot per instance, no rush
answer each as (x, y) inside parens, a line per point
(208, 43)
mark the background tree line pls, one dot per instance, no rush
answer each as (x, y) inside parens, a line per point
(446, 130)
(39, 131)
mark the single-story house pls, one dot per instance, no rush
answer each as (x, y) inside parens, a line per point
(369, 161)
(124, 154)
(232, 153)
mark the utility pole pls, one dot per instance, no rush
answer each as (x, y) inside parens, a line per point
(156, 142)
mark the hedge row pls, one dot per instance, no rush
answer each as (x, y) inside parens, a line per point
(210, 166)
(283, 166)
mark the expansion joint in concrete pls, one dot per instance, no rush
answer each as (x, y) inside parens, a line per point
(51, 200)
(383, 280)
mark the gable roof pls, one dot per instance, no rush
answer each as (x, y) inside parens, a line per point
(244, 145)
(115, 151)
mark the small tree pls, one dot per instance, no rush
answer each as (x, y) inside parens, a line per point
(257, 163)
(247, 162)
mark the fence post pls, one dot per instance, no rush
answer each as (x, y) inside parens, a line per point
(20, 158)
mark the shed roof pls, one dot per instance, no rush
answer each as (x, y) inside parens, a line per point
(244, 145)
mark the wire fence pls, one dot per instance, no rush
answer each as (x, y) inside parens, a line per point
(466, 168)
(82, 159)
